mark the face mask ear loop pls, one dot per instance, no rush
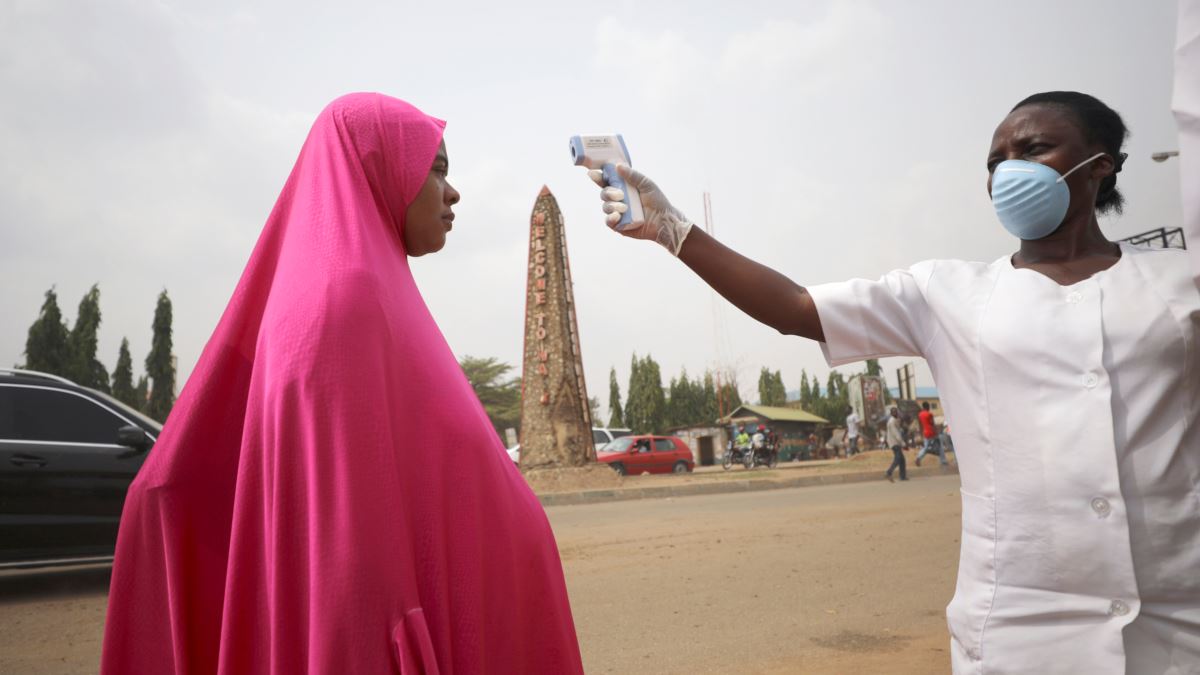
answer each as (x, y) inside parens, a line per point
(1089, 159)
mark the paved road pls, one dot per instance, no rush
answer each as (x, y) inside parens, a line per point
(847, 578)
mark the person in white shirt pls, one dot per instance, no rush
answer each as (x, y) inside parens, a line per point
(850, 437)
(1072, 371)
(895, 441)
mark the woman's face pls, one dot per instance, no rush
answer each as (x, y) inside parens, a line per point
(430, 216)
(1050, 135)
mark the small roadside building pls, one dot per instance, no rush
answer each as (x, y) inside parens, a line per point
(794, 425)
(707, 442)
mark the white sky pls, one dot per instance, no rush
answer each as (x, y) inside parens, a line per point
(142, 145)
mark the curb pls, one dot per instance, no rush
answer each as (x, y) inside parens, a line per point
(718, 487)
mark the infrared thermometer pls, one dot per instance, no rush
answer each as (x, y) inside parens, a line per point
(603, 152)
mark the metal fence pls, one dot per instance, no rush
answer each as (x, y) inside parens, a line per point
(1160, 238)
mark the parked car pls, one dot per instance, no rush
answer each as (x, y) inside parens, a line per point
(67, 457)
(647, 454)
(602, 436)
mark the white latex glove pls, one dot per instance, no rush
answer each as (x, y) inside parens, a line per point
(664, 223)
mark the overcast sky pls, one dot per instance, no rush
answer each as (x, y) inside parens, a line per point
(142, 145)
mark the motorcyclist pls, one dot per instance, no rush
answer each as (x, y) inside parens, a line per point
(742, 440)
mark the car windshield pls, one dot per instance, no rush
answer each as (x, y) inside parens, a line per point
(618, 433)
(619, 445)
(125, 409)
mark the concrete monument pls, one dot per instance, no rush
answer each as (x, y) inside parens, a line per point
(556, 420)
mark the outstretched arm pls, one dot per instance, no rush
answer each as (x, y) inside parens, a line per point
(766, 295)
(754, 288)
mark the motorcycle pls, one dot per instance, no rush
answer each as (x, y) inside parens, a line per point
(733, 453)
(762, 452)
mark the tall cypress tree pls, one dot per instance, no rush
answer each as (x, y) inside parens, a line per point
(677, 402)
(656, 396)
(709, 411)
(141, 393)
(122, 379)
(646, 409)
(634, 366)
(616, 420)
(770, 388)
(158, 363)
(83, 367)
(46, 348)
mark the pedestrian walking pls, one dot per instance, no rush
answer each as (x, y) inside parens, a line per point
(895, 440)
(850, 436)
(930, 434)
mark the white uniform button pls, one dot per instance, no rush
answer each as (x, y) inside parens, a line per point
(1074, 297)
(1090, 380)
(1101, 507)
(1118, 608)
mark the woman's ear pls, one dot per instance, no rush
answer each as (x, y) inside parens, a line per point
(1104, 166)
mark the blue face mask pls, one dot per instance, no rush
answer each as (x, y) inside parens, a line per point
(1031, 199)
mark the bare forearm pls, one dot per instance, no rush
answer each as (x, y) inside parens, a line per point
(757, 290)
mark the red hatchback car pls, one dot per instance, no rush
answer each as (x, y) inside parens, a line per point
(647, 454)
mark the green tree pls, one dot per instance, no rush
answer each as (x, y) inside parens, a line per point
(634, 377)
(141, 393)
(46, 348)
(808, 391)
(122, 380)
(873, 367)
(83, 367)
(685, 403)
(499, 393)
(709, 411)
(832, 406)
(159, 363)
(692, 410)
(615, 419)
(770, 388)
(646, 409)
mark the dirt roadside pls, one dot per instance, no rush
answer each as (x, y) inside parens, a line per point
(838, 579)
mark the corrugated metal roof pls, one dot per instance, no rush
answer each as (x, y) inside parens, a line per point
(776, 414)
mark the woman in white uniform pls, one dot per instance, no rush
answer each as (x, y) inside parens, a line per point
(1070, 370)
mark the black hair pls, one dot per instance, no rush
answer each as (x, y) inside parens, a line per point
(925, 405)
(1101, 125)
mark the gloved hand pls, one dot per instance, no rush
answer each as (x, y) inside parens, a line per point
(664, 223)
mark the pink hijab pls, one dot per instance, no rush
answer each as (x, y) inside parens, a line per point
(328, 495)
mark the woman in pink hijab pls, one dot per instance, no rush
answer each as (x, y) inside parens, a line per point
(296, 515)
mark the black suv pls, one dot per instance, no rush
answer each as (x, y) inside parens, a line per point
(67, 456)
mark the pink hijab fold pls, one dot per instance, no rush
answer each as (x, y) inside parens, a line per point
(328, 495)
